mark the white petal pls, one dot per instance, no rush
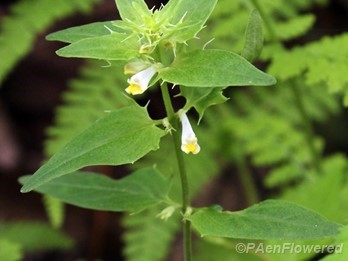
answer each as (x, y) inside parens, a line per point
(139, 82)
(189, 142)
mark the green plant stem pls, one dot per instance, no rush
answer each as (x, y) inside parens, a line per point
(182, 170)
(315, 155)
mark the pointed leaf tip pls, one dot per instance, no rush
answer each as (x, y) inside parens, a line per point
(121, 137)
(214, 68)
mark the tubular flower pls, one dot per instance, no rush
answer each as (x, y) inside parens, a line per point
(188, 137)
(139, 82)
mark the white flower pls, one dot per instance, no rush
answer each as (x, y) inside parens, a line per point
(188, 137)
(139, 82)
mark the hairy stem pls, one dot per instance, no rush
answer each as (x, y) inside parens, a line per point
(182, 170)
(310, 138)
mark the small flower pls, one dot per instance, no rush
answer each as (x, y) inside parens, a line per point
(188, 137)
(139, 82)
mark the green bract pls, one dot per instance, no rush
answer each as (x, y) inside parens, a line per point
(177, 22)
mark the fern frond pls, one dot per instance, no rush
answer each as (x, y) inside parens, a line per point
(324, 190)
(148, 237)
(26, 20)
(266, 125)
(324, 61)
(229, 19)
(293, 27)
(98, 90)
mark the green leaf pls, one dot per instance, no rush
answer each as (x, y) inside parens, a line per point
(122, 137)
(77, 33)
(34, 236)
(189, 16)
(214, 68)
(10, 251)
(133, 10)
(202, 98)
(271, 219)
(253, 37)
(140, 190)
(114, 46)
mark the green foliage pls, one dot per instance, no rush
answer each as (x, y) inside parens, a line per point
(89, 96)
(271, 219)
(320, 62)
(189, 16)
(122, 136)
(253, 37)
(142, 189)
(324, 190)
(266, 124)
(133, 10)
(200, 174)
(76, 33)
(289, 21)
(202, 98)
(202, 68)
(34, 236)
(10, 251)
(146, 232)
(294, 27)
(114, 46)
(26, 20)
